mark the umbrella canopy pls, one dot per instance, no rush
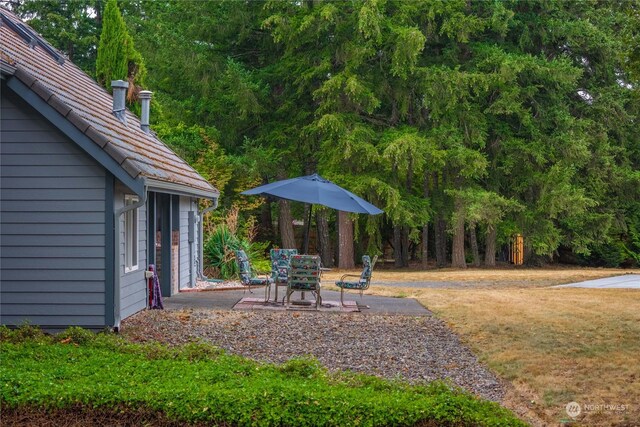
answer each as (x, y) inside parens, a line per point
(317, 190)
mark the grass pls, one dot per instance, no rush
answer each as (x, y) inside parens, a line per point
(554, 345)
(200, 383)
(513, 277)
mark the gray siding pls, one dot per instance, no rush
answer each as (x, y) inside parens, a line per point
(187, 255)
(133, 291)
(52, 224)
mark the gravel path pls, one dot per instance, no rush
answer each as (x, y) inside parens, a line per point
(414, 348)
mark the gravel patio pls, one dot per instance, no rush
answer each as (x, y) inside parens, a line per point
(396, 338)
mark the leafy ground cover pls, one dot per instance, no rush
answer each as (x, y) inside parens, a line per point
(200, 383)
(554, 345)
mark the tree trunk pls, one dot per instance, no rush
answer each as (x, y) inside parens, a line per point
(323, 240)
(99, 6)
(405, 246)
(490, 247)
(265, 231)
(457, 248)
(285, 222)
(441, 241)
(425, 228)
(345, 241)
(425, 246)
(473, 241)
(70, 51)
(397, 246)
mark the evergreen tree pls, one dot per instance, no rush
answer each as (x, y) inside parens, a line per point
(117, 58)
(471, 119)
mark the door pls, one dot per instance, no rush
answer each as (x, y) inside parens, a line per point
(164, 245)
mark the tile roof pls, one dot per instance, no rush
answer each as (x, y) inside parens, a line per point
(88, 107)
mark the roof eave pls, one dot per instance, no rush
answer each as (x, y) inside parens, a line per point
(6, 69)
(181, 189)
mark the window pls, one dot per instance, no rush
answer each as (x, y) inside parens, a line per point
(130, 235)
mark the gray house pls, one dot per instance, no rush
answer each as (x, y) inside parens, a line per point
(89, 196)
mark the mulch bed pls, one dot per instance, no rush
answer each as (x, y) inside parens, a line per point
(415, 348)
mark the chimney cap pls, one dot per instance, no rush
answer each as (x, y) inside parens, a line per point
(145, 94)
(119, 83)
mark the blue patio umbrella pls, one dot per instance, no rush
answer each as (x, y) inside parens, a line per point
(315, 189)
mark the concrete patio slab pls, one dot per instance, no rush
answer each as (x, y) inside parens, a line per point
(628, 281)
(225, 300)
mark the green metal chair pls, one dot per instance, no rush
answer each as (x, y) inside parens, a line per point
(304, 276)
(248, 277)
(280, 265)
(364, 279)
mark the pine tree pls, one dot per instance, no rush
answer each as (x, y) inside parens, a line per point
(117, 58)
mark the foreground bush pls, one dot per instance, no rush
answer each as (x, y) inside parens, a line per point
(201, 383)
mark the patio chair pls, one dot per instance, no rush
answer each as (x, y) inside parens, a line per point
(304, 276)
(280, 266)
(248, 277)
(364, 279)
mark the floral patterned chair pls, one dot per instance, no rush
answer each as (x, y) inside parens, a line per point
(364, 279)
(248, 276)
(280, 266)
(304, 276)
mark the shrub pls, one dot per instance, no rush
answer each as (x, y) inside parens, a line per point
(304, 367)
(223, 242)
(195, 352)
(613, 254)
(25, 332)
(5, 334)
(220, 251)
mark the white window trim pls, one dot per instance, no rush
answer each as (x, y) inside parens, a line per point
(131, 235)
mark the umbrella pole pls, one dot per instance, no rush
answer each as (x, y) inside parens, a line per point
(305, 248)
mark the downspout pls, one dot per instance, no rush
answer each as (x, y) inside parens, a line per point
(201, 215)
(116, 264)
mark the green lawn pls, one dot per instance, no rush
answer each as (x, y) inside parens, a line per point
(201, 383)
